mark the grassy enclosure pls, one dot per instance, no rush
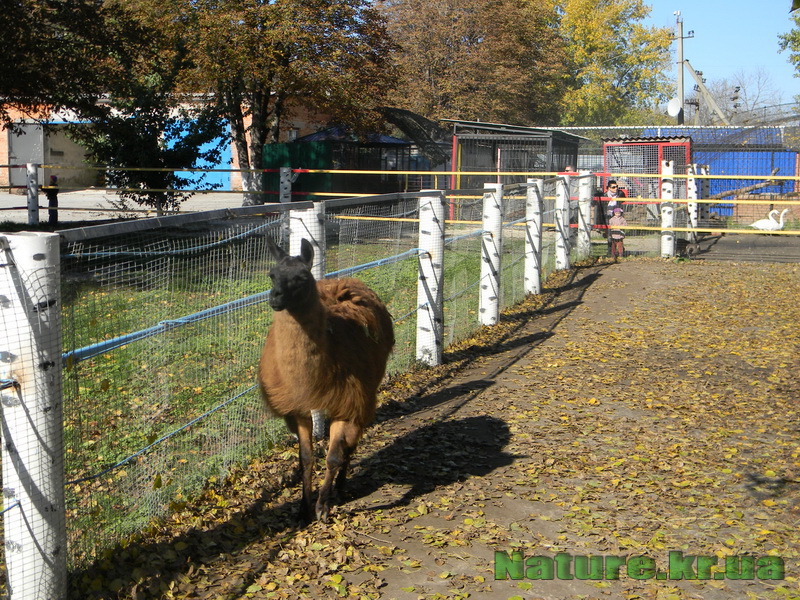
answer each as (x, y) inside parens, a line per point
(163, 328)
(133, 404)
(149, 421)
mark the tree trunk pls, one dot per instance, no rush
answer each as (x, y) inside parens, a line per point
(249, 143)
(251, 181)
(232, 108)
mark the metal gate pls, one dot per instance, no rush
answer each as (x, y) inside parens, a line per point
(644, 155)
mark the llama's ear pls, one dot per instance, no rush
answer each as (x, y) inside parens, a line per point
(276, 251)
(307, 252)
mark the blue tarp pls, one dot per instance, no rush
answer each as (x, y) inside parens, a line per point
(737, 151)
(725, 136)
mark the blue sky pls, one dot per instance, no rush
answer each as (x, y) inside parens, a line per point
(732, 35)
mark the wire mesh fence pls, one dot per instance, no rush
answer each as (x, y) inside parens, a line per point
(462, 264)
(163, 327)
(361, 234)
(514, 220)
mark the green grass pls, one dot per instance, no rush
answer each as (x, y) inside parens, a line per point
(122, 401)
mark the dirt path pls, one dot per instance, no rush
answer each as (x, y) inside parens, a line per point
(650, 407)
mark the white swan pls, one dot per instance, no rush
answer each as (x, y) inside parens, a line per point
(767, 223)
(770, 224)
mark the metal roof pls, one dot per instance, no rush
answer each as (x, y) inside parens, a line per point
(726, 135)
(341, 134)
(664, 139)
(508, 129)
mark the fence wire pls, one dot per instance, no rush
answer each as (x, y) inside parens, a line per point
(163, 328)
(144, 427)
(366, 233)
(513, 262)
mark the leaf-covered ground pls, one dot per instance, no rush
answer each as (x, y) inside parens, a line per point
(634, 409)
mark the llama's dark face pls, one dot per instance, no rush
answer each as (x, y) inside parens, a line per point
(293, 285)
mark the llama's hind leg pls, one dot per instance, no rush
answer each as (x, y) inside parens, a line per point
(344, 438)
(302, 426)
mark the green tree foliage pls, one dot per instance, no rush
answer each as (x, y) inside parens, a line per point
(501, 60)
(55, 54)
(791, 42)
(120, 76)
(259, 60)
(619, 63)
(147, 139)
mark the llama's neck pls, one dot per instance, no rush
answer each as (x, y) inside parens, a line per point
(306, 326)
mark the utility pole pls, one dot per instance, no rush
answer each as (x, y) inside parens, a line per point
(701, 87)
(679, 22)
(680, 37)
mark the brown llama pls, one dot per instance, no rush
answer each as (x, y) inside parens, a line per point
(326, 350)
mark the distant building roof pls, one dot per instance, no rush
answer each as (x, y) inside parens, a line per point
(341, 134)
(461, 126)
(663, 139)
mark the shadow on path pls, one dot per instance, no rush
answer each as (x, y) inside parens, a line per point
(435, 455)
(529, 328)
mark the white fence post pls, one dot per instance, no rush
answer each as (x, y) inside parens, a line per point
(32, 425)
(705, 192)
(430, 284)
(491, 252)
(692, 208)
(32, 184)
(585, 215)
(309, 223)
(562, 222)
(667, 210)
(534, 207)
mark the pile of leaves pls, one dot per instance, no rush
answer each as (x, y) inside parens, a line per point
(632, 410)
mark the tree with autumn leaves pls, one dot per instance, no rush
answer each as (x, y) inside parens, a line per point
(260, 60)
(500, 60)
(531, 62)
(252, 62)
(618, 64)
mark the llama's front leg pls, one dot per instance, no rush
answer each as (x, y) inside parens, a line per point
(344, 438)
(304, 430)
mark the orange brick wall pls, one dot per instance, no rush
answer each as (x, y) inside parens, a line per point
(4, 176)
(748, 213)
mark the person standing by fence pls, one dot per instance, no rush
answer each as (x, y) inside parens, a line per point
(616, 235)
(615, 194)
(605, 207)
(51, 191)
